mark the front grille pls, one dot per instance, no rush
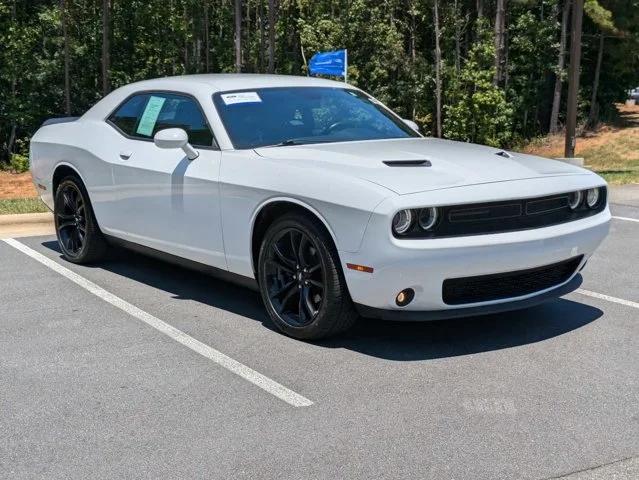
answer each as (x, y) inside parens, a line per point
(506, 216)
(485, 288)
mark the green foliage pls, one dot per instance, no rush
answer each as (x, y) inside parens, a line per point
(19, 163)
(481, 114)
(391, 54)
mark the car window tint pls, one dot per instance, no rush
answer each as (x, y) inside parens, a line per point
(270, 116)
(144, 115)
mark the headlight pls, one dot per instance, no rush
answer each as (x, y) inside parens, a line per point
(592, 197)
(427, 218)
(402, 221)
(574, 200)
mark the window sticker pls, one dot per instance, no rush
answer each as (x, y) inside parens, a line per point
(150, 116)
(240, 97)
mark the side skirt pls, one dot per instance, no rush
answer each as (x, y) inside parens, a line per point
(184, 263)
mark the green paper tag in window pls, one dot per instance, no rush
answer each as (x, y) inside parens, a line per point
(150, 116)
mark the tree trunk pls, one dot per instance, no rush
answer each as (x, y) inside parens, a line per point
(271, 35)
(207, 45)
(262, 37)
(106, 35)
(573, 78)
(561, 60)
(67, 79)
(480, 8)
(12, 139)
(438, 68)
(238, 35)
(500, 41)
(594, 106)
(457, 16)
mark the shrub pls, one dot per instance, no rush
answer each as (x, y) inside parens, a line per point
(19, 163)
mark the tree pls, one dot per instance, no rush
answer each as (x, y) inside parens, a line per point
(271, 35)
(573, 78)
(500, 41)
(559, 70)
(238, 35)
(67, 78)
(106, 49)
(602, 18)
(438, 70)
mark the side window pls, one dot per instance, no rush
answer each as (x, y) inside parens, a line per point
(144, 115)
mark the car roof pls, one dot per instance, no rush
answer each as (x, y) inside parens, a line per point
(237, 81)
(203, 85)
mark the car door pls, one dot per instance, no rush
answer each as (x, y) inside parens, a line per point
(162, 199)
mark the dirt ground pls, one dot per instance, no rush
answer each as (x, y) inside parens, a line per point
(16, 185)
(612, 150)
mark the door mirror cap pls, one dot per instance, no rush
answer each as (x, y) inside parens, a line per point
(175, 138)
(411, 124)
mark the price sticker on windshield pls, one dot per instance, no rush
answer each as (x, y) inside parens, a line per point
(241, 97)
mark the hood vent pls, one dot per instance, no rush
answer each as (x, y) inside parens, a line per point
(408, 163)
(504, 154)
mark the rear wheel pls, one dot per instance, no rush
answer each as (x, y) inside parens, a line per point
(78, 234)
(300, 279)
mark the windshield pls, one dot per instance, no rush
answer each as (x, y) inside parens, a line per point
(303, 115)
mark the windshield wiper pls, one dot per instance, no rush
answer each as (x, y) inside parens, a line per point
(302, 141)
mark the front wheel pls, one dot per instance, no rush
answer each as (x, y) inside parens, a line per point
(300, 279)
(78, 234)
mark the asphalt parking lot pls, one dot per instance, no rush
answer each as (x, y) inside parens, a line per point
(139, 369)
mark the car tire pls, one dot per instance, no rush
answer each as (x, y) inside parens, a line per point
(297, 255)
(79, 236)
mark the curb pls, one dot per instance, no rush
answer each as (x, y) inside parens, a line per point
(26, 218)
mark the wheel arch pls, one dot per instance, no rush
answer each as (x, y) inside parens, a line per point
(61, 170)
(269, 211)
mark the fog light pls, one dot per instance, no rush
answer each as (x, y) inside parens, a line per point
(405, 297)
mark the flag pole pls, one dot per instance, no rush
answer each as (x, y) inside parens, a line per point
(346, 65)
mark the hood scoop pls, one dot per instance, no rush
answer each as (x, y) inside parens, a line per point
(408, 163)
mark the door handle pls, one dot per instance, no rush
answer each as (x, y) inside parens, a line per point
(125, 155)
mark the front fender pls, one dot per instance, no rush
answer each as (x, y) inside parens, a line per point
(250, 182)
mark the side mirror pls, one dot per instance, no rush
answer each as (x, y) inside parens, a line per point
(411, 124)
(175, 138)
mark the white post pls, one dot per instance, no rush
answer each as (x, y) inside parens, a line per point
(345, 65)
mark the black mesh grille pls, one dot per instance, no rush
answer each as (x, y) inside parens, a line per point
(484, 288)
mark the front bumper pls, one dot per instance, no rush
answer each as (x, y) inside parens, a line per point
(417, 316)
(424, 264)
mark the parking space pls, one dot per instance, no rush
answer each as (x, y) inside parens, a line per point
(90, 390)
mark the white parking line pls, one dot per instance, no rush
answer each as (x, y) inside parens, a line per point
(247, 373)
(627, 219)
(608, 298)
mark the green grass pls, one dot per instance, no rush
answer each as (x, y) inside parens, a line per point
(620, 177)
(22, 205)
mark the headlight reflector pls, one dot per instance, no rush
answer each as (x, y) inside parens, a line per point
(427, 218)
(592, 197)
(574, 200)
(402, 221)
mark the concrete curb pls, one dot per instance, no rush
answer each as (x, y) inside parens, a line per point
(26, 218)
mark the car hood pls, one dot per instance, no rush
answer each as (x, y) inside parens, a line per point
(449, 164)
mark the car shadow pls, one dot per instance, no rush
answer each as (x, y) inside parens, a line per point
(400, 341)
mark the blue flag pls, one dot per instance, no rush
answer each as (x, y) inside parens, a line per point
(329, 63)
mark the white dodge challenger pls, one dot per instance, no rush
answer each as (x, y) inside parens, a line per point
(318, 195)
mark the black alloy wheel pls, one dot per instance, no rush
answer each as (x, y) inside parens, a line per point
(295, 278)
(78, 234)
(71, 222)
(301, 281)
